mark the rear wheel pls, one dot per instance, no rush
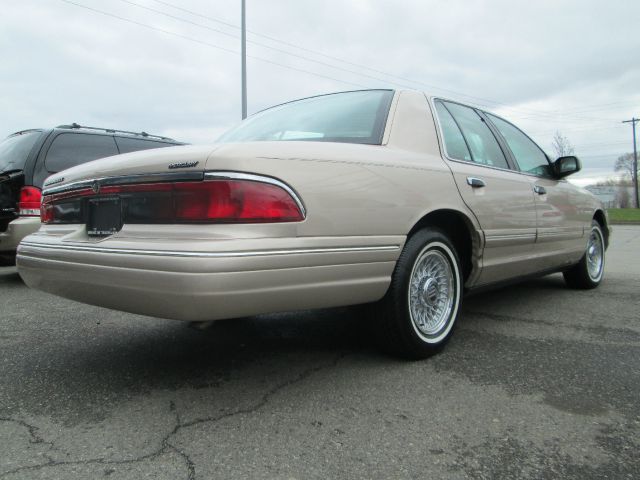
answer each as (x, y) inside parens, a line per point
(589, 271)
(416, 317)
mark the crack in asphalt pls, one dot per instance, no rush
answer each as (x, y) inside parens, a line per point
(165, 444)
(35, 438)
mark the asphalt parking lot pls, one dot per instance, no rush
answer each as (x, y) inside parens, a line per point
(538, 382)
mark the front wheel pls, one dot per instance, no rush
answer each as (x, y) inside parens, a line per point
(589, 271)
(416, 317)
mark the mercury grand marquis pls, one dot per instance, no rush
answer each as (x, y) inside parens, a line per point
(394, 197)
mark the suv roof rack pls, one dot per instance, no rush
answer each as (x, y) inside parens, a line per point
(111, 130)
(29, 130)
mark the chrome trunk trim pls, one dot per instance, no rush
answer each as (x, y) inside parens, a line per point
(177, 177)
(128, 179)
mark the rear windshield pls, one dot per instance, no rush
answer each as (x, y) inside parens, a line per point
(349, 117)
(15, 149)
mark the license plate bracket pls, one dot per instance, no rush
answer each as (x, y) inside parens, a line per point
(104, 216)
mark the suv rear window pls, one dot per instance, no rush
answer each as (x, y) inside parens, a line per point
(71, 149)
(15, 149)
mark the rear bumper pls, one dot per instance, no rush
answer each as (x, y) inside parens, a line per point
(16, 231)
(195, 283)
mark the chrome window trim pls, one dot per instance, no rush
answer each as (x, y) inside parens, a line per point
(213, 175)
(232, 254)
(445, 154)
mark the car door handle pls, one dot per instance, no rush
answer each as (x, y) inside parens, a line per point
(476, 182)
(539, 190)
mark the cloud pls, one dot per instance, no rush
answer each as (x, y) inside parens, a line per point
(547, 65)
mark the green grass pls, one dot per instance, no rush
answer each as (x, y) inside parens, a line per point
(624, 215)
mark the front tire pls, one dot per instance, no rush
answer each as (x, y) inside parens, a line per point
(416, 317)
(589, 271)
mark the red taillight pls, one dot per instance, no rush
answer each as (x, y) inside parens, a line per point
(214, 201)
(29, 204)
(238, 201)
(46, 213)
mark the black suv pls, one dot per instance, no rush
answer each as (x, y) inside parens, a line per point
(28, 157)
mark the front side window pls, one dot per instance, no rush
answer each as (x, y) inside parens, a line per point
(349, 117)
(483, 146)
(71, 149)
(528, 155)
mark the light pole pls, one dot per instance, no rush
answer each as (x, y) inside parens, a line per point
(243, 49)
(634, 173)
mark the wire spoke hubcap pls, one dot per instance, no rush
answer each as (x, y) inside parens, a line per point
(595, 254)
(431, 292)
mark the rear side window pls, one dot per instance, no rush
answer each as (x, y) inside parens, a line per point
(482, 144)
(529, 156)
(71, 149)
(126, 145)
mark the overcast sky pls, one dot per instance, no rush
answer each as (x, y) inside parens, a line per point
(571, 66)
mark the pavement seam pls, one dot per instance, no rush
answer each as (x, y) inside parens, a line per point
(513, 318)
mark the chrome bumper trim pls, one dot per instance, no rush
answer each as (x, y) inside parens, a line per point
(249, 253)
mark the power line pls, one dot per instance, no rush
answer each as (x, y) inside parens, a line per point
(578, 129)
(416, 82)
(212, 45)
(542, 116)
(601, 144)
(306, 59)
(532, 112)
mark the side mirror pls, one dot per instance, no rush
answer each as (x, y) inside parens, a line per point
(564, 166)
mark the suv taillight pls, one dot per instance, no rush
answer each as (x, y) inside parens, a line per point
(29, 204)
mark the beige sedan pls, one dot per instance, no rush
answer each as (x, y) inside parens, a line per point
(383, 196)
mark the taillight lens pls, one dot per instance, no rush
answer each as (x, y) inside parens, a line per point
(234, 201)
(29, 203)
(214, 201)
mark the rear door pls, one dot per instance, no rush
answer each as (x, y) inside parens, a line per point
(501, 198)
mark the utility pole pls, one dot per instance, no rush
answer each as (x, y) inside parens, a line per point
(243, 49)
(634, 175)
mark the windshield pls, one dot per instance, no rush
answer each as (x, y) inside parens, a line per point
(349, 117)
(15, 149)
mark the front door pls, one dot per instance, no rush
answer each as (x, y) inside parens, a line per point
(560, 224)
